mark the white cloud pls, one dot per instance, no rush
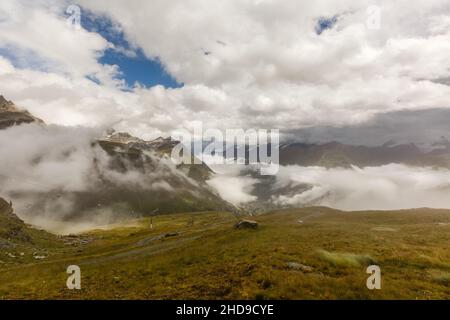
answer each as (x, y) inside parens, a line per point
(244, 63)
(31, 29)
(65, 101)
(269, 67)
(234, 189)
(387, 187)
(5, 66)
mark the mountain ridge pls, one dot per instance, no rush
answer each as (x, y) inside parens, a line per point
(130, 178)
(11, 115)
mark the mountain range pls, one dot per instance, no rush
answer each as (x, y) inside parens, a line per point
(335, 154)
(132, 178)
(138, 178)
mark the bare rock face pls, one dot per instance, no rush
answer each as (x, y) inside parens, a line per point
(246, 224)
(6, 208)
(11, 115)
(11, 227)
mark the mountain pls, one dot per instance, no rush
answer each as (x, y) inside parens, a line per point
(164, 186)
(335, 154)
(11, 115)
(133, 149)
(131, 177)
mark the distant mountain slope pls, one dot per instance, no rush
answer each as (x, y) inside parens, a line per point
(179, 188)
(335, 154)
(11, 115)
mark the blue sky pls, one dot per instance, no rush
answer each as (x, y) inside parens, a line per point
(325, 23)
(134, 67)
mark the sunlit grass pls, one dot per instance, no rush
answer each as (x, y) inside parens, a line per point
(207, 258)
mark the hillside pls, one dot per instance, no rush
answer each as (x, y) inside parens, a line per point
(21, 243)
(310, 253)
(160, 187)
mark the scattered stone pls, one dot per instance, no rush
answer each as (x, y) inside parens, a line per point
(6, 244)
(299, 267)
(76, 240)
(146, 241)
(170, 234)
(246, 224)
(384, 229)
(10, 255)
(40, 255)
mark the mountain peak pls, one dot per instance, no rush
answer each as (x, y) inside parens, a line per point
(389, 143)
(6, 104)
(11, 115)
(127, 140)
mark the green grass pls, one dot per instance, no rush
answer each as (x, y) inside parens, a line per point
(212, 260)
(346, 259)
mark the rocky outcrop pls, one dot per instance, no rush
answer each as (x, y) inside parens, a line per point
(11, 227)
(11, 115)
(134, 149)
(246, 224)
(5, 207)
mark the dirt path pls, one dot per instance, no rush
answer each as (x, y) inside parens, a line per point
(140, 252)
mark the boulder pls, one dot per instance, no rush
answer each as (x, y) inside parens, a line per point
(299, 267)
(246, 224)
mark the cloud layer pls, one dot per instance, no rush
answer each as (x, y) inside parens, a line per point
(253, 63)
(58, 178)
(387, 187)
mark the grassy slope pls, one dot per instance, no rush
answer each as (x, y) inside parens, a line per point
(213, 260)
(20, 243)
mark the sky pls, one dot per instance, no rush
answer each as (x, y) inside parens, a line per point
(155, 67)
(135, 67)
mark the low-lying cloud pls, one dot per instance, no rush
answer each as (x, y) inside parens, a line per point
(45, 170)
(234, 189)
(392, 186)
